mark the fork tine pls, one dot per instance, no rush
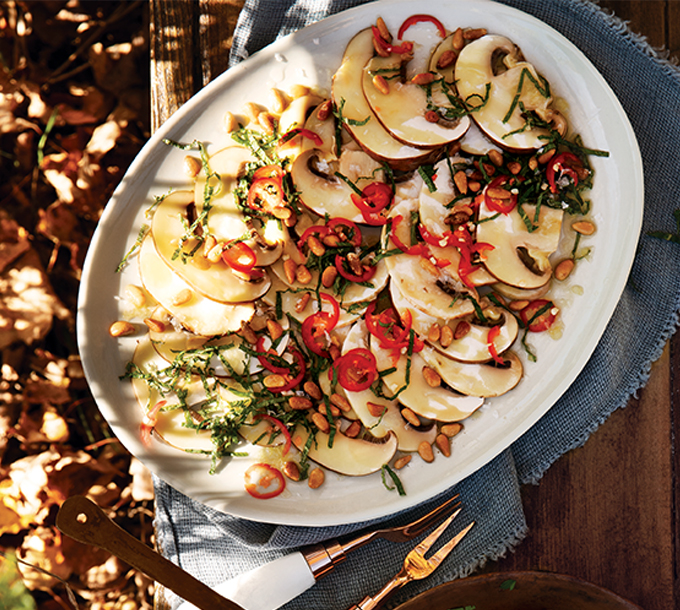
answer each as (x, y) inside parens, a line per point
(425, 545)
(418, 527)
(441, 554)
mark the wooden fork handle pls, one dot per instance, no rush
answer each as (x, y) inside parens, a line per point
(83, 520)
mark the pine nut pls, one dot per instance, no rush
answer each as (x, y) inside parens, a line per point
(316, 246)
(246, 331)
(291, 470)
(135, 295)
(446, 59)
(282, 212)
(496, 157)
(299, 403)
(410, 417)
(298, 90)
(425, 452)
(381, 84)
(191, 166)
(434, 333)
(230, 122)
(424, 78)
(341, 402)
(121, 328)
(331, 240)
(154, 325)
(514, 167)
(518, 305)
(451, 430)
(564, 269)
(323, 110)
(267, 122)
(584, 227)
(313, 390)
(474, 185)
(302, 302)
(474, 33)
(375, 409)
(446, 337)
(251, 110)
(432, 378)
(382, 29)
(290, 269)
(182, 297)
(303, 275)
(460, 179)
(443, 444)
(328, 276)
(546, 156)
(533, 163)
(399, 463)
(321, 422)
(462, 329)
(316, 478)
(278, 100)
(429, 266)
(352, 431)
(458, 42)
(274, 381)
(329, 410)
(275, 329)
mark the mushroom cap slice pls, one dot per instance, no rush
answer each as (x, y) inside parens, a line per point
(473, 346)
(201, 315)
(520, 258)
(215, 281)
(477, 68)
(440, 403)
(348, 456)
(408, 437)
(360, 121)
(477, 379)
(225, 220)
(323, 192)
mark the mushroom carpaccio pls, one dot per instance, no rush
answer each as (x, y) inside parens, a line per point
(351, 276)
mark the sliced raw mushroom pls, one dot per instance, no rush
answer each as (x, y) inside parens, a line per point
(492, 69)
(358, 118)
(469, 347)
(213, 280)
(520, 258)
(198, 314)
(349, 456)
(485, 380)
(325, 193)
(407, 109)
(368, 406)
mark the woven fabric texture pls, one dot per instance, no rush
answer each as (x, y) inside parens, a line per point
(215, 547)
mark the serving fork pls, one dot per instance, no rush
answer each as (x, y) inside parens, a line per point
(416, 566)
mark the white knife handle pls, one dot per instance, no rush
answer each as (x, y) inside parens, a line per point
(267, 587)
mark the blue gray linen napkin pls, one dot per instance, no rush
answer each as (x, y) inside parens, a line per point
(214, 546)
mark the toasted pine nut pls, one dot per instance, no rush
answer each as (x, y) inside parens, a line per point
(331, 240)
(514, 167)
(410, 416)
(518, 305)
(424, 78)
(328, 276)
(275, 329)
(274, 381)
(451, 430)
(182, 297)
(460, 179)
(584, 227)
(121, 328)
(546, 156)
(474, 33)
(299, 403)
(321, 422)
(191, 166)
(533, 163)
(446, 59)
(313, 390)
(325, 410)
(154, 325)
(230, 122)
(496, 157)
(443, 444)
(375, 409)
(432, 378)
(323, 110)
(302, 302)
(291, 470)
(135, 295)
(316, 246)
(474, 185)
(498, 193)
(428, 265)
(446, 337)
(251, 110)
(564, 269)
(290, 269)
(278, 100)
(316, 478)
(209, 243)
(382, 29)
(434, 333)
(458, 41)
(341, 402)
(400, 462)
(298, 90)
(282, 212)
(425, 452)
(303, 275)
(352, 431)
(381, 84)
(462, 329)
(267, 121)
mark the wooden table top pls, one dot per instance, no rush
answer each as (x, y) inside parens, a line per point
(607, 512)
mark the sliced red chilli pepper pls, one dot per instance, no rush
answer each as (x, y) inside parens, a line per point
(356, 370)
(240, 257)
(391, 331)
(503, 205)
(415, 250)
(539, 315)
(442, 242)
(490, 338)
(149, 422)
(265, 194)
(318, 325)
(378, 195)
(462, 239)
(293, 382)
(264, 361)
(564, 164)
(263, 481)
(413, 19)
(350, 276)
(280, 427)
(346, 228)
(375, 219)
(305, 133)
(268, 171)
(404, 47)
